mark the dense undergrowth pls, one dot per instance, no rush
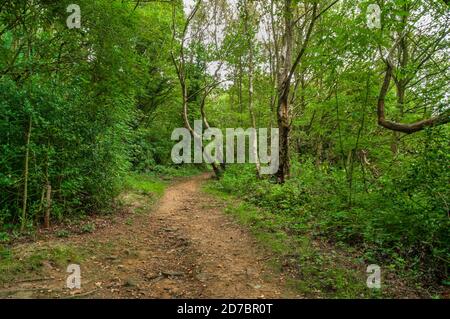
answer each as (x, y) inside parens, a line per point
(400, 221)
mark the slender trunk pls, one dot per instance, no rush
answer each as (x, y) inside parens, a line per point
(253, 119)
(48, 206)
(250, 88)
(41, 206)
(289, 65)
(350, 162)
(25, 179)
(240, 90)
(283, 112)
(216, 168)
(284, 131)
(401, 90)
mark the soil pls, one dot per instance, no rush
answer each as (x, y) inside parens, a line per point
(182, 247)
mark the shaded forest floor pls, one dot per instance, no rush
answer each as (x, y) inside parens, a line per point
(185, 240)
(182, 247)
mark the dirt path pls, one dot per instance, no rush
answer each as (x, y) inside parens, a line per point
(185, 247)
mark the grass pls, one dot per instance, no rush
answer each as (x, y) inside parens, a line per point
(27, 263)
(142, 191)
(177, 171)
(145, 184)
(318, 270)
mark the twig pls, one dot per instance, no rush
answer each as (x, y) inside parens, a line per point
(80, 295)
(34, 280)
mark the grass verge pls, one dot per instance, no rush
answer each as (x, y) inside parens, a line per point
(27, 262)
(317, 269)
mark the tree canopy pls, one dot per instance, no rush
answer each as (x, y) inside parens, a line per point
(361, 106)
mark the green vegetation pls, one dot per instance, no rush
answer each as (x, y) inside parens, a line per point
(80, 108)
(87, 115)
(385, 226)
(145, 184)
(319, 270)
(153, 184)
(29, 262)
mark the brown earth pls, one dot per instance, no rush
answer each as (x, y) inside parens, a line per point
(184, 247)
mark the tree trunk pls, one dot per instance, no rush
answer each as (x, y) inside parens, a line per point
(283, 112)
(25, 179)
(289, 65)
(250, 85)
(284, 131)
(48, 206)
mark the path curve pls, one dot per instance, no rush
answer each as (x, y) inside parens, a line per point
(227, 260)
(185, 246)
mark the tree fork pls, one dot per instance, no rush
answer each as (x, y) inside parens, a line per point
(440, 119)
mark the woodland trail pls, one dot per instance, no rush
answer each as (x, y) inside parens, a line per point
(183, 247)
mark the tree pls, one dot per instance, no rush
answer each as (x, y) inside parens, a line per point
(417, 47)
